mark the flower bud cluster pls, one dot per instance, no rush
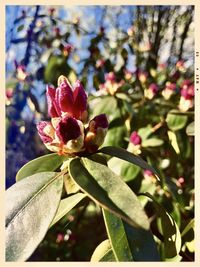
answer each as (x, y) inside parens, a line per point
(151, 91)
(187, 96)
(67, 134)
(111, 85)
(169, 90)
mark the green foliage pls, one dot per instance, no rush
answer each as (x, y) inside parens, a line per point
(43, 200)
(103, 252)
(31, 205)
(45, 163)
(125, 155)
(135, 244)
(58, 66)
(169, 230)
(108, 190)
(66, 205)
(176, 122)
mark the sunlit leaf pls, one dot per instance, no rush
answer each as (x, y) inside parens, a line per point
(190, 129)
(45, 163)
(108, 190)
(31, 205)
(176, 122)
(126, 155)
(103, 252)
(66, 205)
(169, 230)
(129, 243)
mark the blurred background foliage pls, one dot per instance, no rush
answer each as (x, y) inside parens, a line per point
(137, 66)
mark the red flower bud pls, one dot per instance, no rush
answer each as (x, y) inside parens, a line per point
(135, 139)
(45, 131)
(96, 133)
(80, 101)
(53, 108)
(154, 88)
(68, 129)
(64, 97)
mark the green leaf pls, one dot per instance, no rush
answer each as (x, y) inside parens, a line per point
(20, 28)
(103, 252)
(31, 205)
(129, 243)
(152, 142)
(146, 186)
(115, 136)
(57, 65)
(69, 185)
(145, 132)
(190, 129)
(66, 205)
(189, 226)
(102, 105)
(45, 163)
(127, 156)
(108, 190)
(176, 122)
(125, 169)
(169, 229)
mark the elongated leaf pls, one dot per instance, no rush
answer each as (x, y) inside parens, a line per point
(103, 252)
(108, 190)
(188, 227)
(169, 229)
(47, 163)
(145, 132)
(152, 142)
(190, 129)
(125, 169)
(31, 205)
(130, 243)
(66, 205)
(125, 155)
(176, 122)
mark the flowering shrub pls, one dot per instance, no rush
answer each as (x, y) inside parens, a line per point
(104, 158)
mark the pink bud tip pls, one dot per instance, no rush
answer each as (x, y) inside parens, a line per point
(40, 127)
(110, 76)
(135, 138)
(153, 87)
(80, 100)
(99, 121)
(148, 173)
(53, 108)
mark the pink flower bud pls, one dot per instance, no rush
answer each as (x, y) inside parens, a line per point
(186, 83)
(67, 129)
(187, 92)
(96, 133)
(73, 103)
(154, 88)
(80, 101)
(67, 49)
(148, 173)
(64, 97)
(171, 86)
(110, 76)
(53, 108)
(45, 131)
(135, 139)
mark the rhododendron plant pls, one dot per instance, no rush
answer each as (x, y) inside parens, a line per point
(100, 133)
